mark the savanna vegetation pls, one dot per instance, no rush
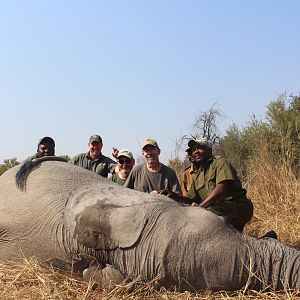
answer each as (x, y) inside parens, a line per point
(266, 154)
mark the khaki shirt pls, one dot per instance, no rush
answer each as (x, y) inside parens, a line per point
(216, 170)
(186, 179)
(102, 166)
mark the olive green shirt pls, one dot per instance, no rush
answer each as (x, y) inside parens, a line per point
(117, 179)
(215, 170)
(102, 166)
(30, 158)
(143, 180)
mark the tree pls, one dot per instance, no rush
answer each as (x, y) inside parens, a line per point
(7, 164)
(279, 132)
(205, 125)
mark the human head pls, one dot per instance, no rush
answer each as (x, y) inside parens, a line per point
(95, 146)
(151, 151)
(46, 147)
(200, 149)
(188, 151)
(125, 161)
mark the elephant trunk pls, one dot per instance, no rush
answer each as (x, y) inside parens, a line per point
(274, 265)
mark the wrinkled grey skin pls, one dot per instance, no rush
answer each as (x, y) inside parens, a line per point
(70, 216)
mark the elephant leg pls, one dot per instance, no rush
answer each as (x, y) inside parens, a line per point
(103, 277)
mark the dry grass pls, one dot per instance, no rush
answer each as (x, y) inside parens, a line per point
(275, 192)
(32, 280)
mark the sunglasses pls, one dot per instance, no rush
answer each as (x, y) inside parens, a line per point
(124, 161)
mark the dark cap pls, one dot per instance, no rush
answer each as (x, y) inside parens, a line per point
(95, 138)
(47, 140)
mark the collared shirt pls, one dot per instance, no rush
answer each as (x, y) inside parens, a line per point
(215, 170)
(102, 166)
(186, 179)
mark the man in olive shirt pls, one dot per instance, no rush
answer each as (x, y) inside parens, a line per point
(153, 176)
(216, 186)
(46, 147)
(94, 160)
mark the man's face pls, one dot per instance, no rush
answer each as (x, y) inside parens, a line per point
(45, 149)
(200, 153)
(95, 149)
(151, 154)
(125, 164)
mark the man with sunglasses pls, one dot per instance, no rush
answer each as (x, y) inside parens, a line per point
(153, 176)
(125, 163)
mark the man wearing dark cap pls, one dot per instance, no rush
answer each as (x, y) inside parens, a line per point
(188, 174)
(153, 176)
(94, 160)
(216, 187)
(46, 147)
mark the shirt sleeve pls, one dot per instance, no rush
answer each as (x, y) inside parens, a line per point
(223, 171)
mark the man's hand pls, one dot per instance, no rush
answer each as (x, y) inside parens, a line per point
(115, 152)
(175, 196)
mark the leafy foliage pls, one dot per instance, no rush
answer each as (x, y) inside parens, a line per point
(7, 164)
(279, 132)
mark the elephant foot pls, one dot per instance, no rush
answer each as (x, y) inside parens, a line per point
(270, 234)
(106, 277)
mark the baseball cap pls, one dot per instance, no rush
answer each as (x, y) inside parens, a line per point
(126, 153)
(95, 138)
(151, 142)
(202, 141)
(46, 139)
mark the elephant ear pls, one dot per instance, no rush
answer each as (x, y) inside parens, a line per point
(103, 225)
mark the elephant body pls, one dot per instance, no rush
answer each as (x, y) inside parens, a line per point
(72, 217)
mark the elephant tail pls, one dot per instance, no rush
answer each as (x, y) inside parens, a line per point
(28, 166)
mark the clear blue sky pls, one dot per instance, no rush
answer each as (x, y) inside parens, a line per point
(129, 70)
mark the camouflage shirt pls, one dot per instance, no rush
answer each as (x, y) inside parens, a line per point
(102, 166)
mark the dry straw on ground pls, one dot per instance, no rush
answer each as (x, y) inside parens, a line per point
(275, 192)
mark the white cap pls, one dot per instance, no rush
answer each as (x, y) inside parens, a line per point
(126, 153)
(202, 141)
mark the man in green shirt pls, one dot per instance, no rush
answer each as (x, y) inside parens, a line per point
(94, 160)
(46, 147)
(153, 176)
(125, 163)
(216, 187)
